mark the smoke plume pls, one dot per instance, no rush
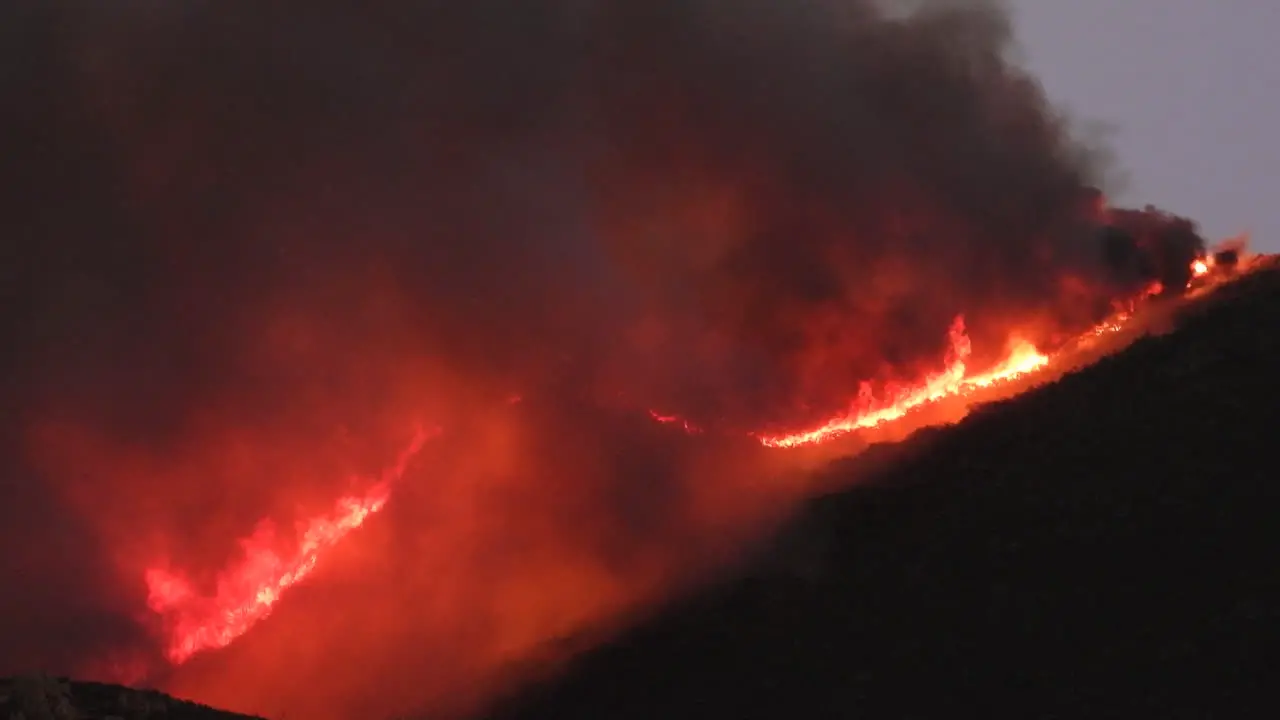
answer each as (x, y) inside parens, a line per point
(250, 248)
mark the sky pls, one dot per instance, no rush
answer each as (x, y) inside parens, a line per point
(1187, 90)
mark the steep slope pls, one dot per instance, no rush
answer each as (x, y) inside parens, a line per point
(1101, 547)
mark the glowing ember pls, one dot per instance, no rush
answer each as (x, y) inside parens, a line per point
(1113, 324)
(247, 591)
(673, 420)
(867, 411)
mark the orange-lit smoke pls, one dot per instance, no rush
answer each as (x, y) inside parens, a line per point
(868, 411)
(623, 254)
(247, 591)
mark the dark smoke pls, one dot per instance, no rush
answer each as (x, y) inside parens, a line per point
(1151, 246)
(245, 245)
(796, 196)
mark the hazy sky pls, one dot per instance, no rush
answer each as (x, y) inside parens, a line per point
(1189, 88)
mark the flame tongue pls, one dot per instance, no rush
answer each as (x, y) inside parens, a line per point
(866, 411)
(248, 591)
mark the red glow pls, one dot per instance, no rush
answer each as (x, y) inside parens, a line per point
(247, 591)
(896, 401)
(674, 420)
(197, 619)
(867, 411)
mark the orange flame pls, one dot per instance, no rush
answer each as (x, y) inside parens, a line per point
(866, 411)
(674, 420)
(247, 591)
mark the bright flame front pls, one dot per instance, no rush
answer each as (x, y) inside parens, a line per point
(248, 590)
(867, 411)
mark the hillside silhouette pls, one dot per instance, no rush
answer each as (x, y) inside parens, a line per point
(1103, 546)
(40, 697)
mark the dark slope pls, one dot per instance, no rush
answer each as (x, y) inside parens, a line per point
(1103, 547)
(46, 698)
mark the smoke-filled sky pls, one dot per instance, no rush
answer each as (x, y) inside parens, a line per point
(248, 251)
(1188, 90)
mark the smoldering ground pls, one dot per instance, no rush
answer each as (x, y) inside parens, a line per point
(248, 248)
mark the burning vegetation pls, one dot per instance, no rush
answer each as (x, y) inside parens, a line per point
(1093, 547)
(266, 250)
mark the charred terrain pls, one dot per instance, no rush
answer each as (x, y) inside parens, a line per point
(1100, 547)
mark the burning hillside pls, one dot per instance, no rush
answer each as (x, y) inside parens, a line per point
(1100, 547)
(463, 268)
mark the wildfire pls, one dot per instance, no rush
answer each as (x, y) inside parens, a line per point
(247, 591)
(867, 411)
(674, 420)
